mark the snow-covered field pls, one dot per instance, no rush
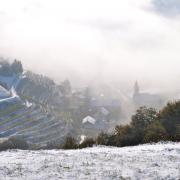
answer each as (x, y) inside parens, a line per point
(160, 161)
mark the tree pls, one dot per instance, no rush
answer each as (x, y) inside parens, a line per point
(170, 119)
(17, 67)
(143, 117)
(65, 87)
(5, 69)
(140, 121)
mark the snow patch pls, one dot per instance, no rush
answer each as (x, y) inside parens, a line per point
(28, 104)
(83, 137)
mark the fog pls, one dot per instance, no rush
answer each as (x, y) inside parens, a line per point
(98, 40)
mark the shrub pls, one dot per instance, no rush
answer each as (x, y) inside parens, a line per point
(155, 132)
(102, 139)
(14, 143)
(126, 136)
(121, 132)
(52, 145)
(106, 139)
(88, 142)
(70, 143)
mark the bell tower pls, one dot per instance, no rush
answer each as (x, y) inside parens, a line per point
(136, 88)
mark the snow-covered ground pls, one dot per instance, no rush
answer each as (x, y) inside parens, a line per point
(160, 161)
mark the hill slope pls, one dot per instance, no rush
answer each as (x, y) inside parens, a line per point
(56, 111)
(160, 161)
(27, 101)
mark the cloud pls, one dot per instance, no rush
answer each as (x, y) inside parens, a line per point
(32, 6)
(2, 13)
(121, 40)
(167, 7)
(105, 24)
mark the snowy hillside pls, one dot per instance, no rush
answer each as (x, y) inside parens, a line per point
(160, 161)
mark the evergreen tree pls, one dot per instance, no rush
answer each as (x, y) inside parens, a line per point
(65, 87)
(17, 67)
(5, 69)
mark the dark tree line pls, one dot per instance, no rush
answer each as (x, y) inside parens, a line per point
(7, 69)
(146, 126)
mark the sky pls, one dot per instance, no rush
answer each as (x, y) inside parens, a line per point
(91, 40)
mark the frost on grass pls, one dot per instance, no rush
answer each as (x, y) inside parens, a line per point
(159, 161)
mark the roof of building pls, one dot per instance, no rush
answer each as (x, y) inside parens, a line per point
(89, 119)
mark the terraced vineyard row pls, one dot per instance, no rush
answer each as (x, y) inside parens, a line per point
(30, 123)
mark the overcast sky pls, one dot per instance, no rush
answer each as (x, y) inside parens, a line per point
(84, 39)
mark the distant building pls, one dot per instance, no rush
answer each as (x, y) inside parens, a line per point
(146, 99)
(104, 111)
(94, 124)
(105, 103)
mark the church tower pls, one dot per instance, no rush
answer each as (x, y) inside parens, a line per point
(136, 88)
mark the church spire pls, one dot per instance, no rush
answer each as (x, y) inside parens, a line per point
(136, 88)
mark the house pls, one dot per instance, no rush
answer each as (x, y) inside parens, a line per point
(104, 111)
(89, 120)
